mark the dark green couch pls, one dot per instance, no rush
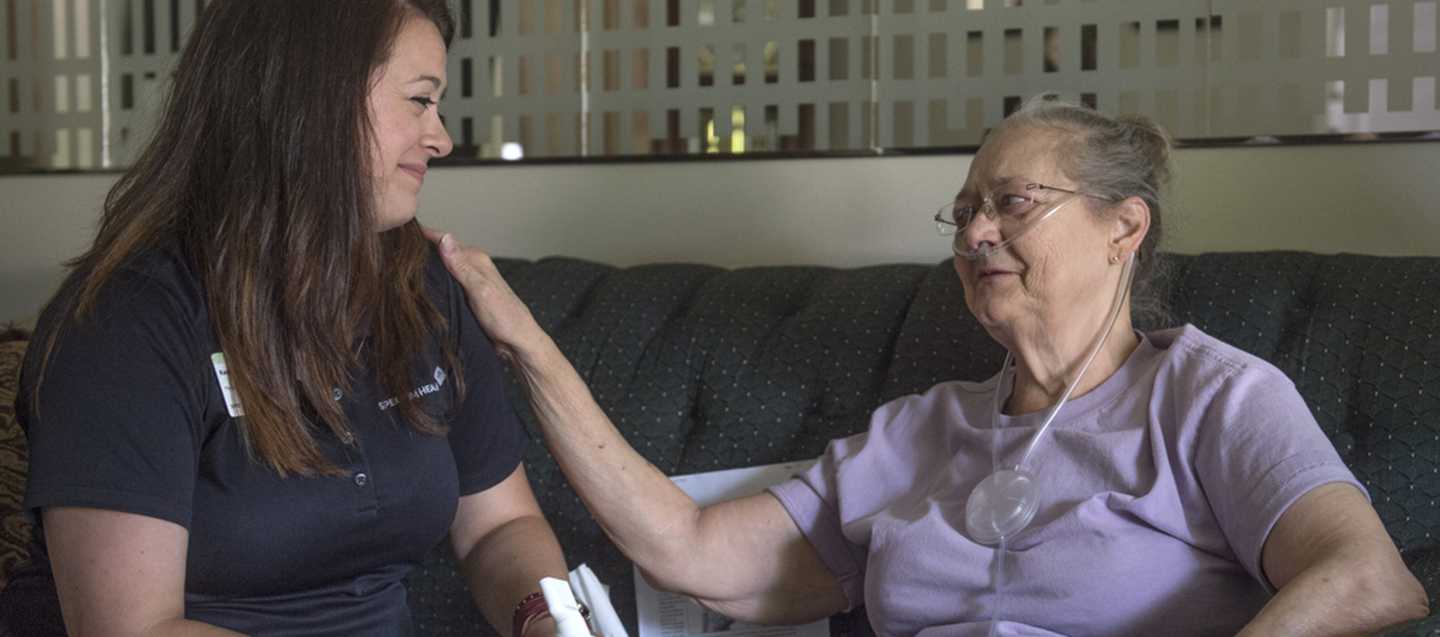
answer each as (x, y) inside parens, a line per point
(704, 368)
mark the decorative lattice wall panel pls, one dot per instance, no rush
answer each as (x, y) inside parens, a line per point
(80, 79)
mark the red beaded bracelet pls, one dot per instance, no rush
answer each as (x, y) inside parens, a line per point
(531, 608)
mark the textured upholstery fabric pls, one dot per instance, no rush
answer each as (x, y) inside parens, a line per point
(705, 369)
(14, 526)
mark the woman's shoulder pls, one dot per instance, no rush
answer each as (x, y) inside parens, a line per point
(153, 291)
(1199, 359)
(147, 279)
(440, 286)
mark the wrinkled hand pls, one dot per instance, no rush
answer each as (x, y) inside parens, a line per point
(501, 314)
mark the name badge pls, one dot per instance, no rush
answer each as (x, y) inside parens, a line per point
(222, 374)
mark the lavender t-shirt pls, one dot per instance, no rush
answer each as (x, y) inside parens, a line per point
(1159, 488)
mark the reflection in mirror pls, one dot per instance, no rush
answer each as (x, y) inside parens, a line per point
(737, 130)
(903, 57)
(869, 57)
(1289, 35)
(904, 124)
(1130, 45)
(1335, 32)
(1379, 29)
(640, 15)
(639, 133)
(1167, 43)
(640, 69)
(737, 72)
(1014, 52)
(709, 140)
(839, 58)
(1425, 16)
(805, 55)
(672, 67)
(839, 116)
(610, 76)
(555, 16)
(938, 55)
(1208, 32)
(1248, 47)
(1089, 46)
(772, 62)
(705, 64)
(1051, 57)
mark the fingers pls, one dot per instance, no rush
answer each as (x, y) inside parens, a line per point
(450, 248)
(470, 266)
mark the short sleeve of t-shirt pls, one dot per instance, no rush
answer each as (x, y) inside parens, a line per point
(855, 478)
(486, 437)
(1258, 450)
(118, 420)
(811, 499)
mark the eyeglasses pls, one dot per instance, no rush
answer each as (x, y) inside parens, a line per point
(1011, 208)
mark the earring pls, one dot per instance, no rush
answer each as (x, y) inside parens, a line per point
(1114, 259)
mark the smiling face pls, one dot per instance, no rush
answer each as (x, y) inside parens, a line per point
(406, 120)
(1059, 267)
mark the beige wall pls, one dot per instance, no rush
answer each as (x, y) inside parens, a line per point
(1375, 199)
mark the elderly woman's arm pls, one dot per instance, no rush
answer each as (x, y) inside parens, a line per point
(745, 558)
(1336, 570)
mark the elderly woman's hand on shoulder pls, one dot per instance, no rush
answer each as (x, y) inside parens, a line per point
(501, 313)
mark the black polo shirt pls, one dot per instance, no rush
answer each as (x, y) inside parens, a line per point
(133, 417)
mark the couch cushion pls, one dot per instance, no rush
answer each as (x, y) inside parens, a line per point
(14, 524)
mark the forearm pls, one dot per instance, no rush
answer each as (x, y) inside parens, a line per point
(508, 564)
(177, 627)
(1341, 596)
(650, 519)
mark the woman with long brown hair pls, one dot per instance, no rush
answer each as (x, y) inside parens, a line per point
(260, 399)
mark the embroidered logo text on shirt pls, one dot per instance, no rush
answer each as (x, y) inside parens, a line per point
(423, 390)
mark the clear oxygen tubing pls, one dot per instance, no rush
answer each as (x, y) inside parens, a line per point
(991, 249)
(1005, 502)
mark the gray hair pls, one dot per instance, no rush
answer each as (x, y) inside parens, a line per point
(1115, 158)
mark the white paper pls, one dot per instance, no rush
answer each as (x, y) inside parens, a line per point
(669, 615)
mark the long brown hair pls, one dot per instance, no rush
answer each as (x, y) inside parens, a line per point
(260, 172)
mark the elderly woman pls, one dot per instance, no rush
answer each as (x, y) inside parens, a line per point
(1185, 488)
